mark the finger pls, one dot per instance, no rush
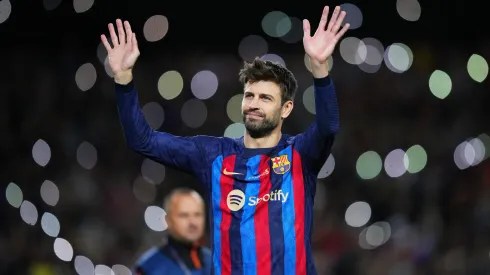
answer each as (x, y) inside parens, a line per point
(333, 19)
(120, 31)
(306, 28)
(129, 33)
(337, 25)
(112, 32)
(106, 43)
(323, 20)
(342, 31)
(135, 42)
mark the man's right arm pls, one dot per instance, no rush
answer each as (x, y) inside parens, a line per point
(183, 153)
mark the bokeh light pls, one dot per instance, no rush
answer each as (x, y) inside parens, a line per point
(327, 168)
(84, 266)
(28, 212)
(295, 34)
(50, 193)
(276, 24)
(119, 269)
(470, 153)
(5, 10)
(204, 84)
(82, 6)
(50, 225)
(170, 85)
(143, 190)
(63, 249)
(252, 46)
(378, 233)
(374, 55)
(358, 214)
(14, 195)
(398, 57)
(107, 67)
(353, 50)
(395, 163)
(409, 10)
(85, 77)
(440, 84)
(353, 17)
(485, 139)
(309, 99)
(101, 52)
(274, 58)
(155, 218)
(369, 165)
(374, 235)
(194, 113)
(155, 28)
(477, 68)
(152, 171)
(234, 108)
(154, 114)
(415, 159)
(41, 153)
(87, 155)
(103, 269)
(235, 130)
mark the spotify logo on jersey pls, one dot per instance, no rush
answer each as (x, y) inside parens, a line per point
(235, 200)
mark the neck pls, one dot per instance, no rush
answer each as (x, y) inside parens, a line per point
(263, 142)
(180, 243)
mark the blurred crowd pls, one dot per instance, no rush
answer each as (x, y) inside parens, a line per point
(439, 217)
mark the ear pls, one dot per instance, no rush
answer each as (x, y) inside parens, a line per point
(286, 109)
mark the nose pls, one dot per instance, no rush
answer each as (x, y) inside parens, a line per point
(253, 104)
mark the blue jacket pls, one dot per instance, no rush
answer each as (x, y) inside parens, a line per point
(162, 261)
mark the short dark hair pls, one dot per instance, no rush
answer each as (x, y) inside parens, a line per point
(264, 70)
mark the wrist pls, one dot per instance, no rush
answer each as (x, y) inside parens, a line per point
(319, 70)
(123, 77)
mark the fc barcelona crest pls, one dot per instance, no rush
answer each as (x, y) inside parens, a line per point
(281, 164)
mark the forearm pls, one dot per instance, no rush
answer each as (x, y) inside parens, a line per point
(326, 107)
(136, 130)
(182, 153)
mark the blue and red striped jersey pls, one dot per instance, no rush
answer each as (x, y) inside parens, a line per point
(261, 200)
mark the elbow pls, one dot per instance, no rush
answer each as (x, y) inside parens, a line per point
(139, 144)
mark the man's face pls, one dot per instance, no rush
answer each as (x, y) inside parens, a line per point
(186, 218)
(261, 108)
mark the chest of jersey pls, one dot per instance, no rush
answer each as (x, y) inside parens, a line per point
(258, 207)
(255, 181)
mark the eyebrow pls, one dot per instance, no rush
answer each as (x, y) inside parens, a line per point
(263, 94)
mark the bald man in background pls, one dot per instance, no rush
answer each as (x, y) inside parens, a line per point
(182, 254)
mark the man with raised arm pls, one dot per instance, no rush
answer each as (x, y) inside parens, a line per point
(262, 185)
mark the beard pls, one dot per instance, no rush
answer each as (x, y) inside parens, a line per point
(262, 127)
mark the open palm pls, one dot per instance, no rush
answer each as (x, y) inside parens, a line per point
(124, 53)
(320, 46)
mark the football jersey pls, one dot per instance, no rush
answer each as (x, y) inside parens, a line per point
(261, 200)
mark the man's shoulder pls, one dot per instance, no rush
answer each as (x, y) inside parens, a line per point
(148, 255)
(214, 145)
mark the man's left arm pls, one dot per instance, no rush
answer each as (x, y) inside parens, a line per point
(315, 144)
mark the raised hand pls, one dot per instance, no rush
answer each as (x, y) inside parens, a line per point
(320, 46)
(124, 53)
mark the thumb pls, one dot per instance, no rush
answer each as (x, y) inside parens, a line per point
(306, 29)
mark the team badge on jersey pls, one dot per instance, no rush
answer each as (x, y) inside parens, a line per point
(281, 164)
